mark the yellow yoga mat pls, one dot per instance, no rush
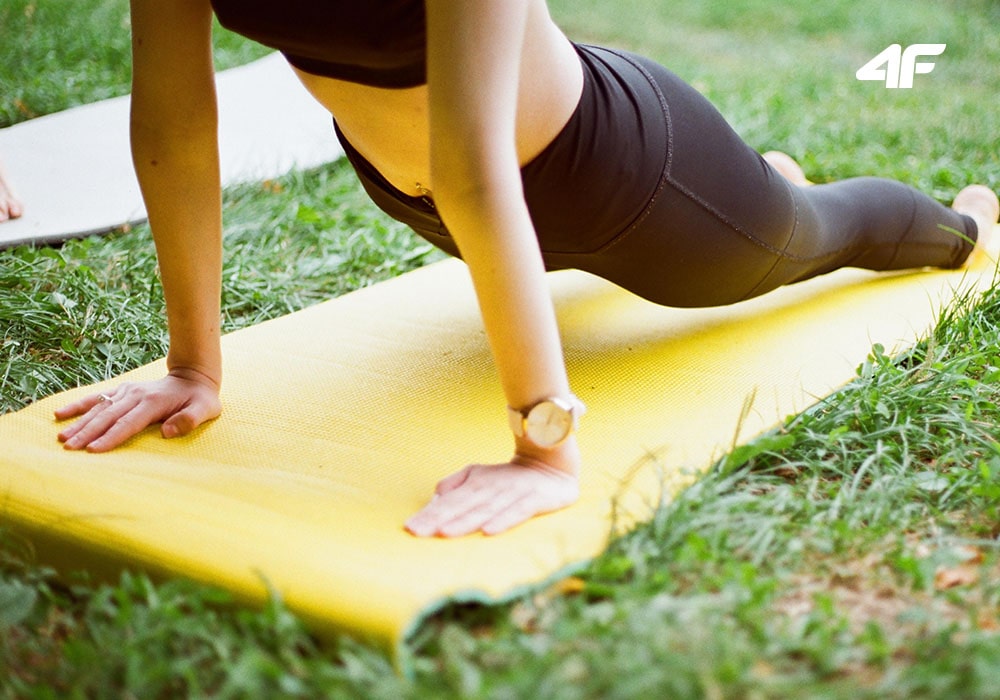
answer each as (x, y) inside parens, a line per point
(339, 420)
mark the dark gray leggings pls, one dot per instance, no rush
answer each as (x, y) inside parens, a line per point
(650, 188)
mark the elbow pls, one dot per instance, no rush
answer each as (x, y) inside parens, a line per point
(477, 178)
(487, 216)
(158, 135)
(168, 114)
(153, 124)
(472, 158)
(480, 203)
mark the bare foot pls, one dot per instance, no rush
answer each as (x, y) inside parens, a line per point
(786, 165)
(10, 205)
(981, 204)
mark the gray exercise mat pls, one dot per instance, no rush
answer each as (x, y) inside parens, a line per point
(73, 170)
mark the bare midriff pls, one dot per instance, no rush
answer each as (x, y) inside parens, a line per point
(390, 127)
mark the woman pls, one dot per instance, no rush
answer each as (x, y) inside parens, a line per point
(484, 128)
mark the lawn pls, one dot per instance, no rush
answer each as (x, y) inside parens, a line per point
(850, 553)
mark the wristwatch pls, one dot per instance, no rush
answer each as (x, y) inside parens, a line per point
(547, 423)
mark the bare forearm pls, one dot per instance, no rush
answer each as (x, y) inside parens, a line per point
(477, 187)
(473, 69)
(174, 124)
(497, 241)
(175, 151)
(179, 177)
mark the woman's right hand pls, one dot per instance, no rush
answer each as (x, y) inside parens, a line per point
(181, 401)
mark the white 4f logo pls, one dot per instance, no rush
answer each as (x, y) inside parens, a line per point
(899, 65)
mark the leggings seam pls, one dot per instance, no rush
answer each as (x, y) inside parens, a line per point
(667, 161)
(780, 252)
(783, 255)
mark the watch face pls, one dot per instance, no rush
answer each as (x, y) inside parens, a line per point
(548, 424)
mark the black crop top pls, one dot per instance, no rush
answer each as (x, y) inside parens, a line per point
(382, 43)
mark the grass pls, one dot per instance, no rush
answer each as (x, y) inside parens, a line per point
(93, 308)
(850, 553)
(56, 56)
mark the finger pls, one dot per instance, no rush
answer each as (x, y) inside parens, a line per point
(475, 518)
(444, 509)
(87, 408)
(126, 426)
(117, 433)
(508, 500)
(183, 422)
(425, 522)
(80, 406)
(179, 424)
(531, 503)
(453, 481)
(466, 509)
(89, 426)
(512, 516)
(97, 421)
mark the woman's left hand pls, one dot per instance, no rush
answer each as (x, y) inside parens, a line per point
(492, 498)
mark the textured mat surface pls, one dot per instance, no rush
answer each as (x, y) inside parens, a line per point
(340, 419)
(73, 170)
